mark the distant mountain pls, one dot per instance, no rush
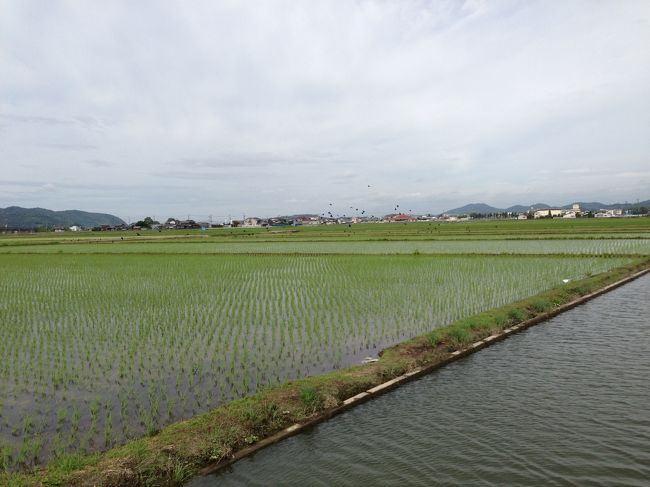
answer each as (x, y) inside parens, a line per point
(524, 209)
(473, 208)
(604, 206)
(593, 206)
(26, 218)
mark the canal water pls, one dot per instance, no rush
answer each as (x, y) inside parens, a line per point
(566, 402)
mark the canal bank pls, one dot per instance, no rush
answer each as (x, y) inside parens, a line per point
(561, 404)
(441, 342)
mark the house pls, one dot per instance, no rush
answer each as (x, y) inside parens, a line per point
(279, 221)
(75, 228)
(306, 220)
(251, 222)
(548, 212)
(400, 218)
(185, 224)
(613, 213)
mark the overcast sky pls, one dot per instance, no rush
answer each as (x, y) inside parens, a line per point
(275, 107)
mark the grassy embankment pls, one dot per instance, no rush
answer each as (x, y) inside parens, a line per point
(180, 450)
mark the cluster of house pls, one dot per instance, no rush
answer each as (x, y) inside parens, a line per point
(574, 212)
(170, 224)
(308, 219)
(252, 222)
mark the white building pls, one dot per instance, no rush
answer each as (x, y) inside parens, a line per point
(548, 212)
(252, 221)
(613, 213)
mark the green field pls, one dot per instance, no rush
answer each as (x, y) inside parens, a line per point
(102, 342)
(479, 229)
(618, 246)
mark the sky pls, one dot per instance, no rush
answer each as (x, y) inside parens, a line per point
(216, 108)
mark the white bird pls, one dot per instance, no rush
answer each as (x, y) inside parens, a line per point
(565, 280)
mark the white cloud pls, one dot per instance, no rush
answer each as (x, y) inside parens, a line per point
(218, 102)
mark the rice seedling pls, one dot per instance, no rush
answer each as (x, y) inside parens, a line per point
(639, 245)
(100, 348)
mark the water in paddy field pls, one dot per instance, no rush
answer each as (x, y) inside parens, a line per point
(564, 403)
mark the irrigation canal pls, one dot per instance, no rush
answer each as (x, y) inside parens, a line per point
(566, 402)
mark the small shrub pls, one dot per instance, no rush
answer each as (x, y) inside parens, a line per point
(310, 398)
(500, 320)
(470, 323)
(435, 337)
(5, 458)
(69, 462)
(181, 472)
(541, 305)
(252, 414)
(460, 336)
(250, 439)
(516, 315)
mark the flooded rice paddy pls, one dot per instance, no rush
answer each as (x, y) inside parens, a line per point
(97, 349)
(583, 246)
(563, 403)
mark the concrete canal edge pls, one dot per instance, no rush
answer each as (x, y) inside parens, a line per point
(412, 375)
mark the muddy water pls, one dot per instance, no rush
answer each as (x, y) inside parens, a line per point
(564, 403)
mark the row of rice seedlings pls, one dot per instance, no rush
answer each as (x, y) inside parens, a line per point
(98, 349)
(582, 246)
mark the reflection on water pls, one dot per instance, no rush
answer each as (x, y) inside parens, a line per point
(563, 403)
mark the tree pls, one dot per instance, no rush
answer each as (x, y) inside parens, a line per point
(147, 222)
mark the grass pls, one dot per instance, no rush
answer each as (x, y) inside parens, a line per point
(483, 229)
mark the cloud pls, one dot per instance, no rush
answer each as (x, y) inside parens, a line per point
(231, 159)
(67, 146)
(99, 163)
(32, 119)
(429, 101)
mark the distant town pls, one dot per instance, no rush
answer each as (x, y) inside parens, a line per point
(17, 219)
(312, 219)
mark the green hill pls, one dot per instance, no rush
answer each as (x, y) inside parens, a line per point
(15, 217)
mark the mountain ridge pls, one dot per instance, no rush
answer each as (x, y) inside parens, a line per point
(16, 217)
(592, 205)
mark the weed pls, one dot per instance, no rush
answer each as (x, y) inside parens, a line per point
(310, 398)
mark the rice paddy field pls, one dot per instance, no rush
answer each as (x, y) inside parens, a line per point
(611, 246)
(103, 342)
